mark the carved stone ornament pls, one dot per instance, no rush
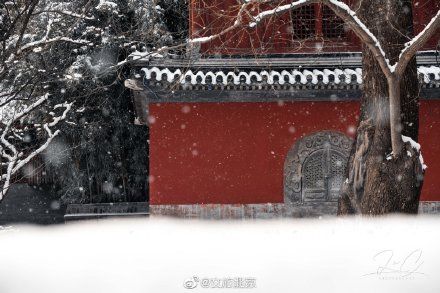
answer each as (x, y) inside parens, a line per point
(314, 169)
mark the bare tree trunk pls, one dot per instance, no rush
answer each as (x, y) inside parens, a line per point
(395, 112)
(378, 183)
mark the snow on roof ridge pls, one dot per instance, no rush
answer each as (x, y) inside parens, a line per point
(426, 71)
(294, 76)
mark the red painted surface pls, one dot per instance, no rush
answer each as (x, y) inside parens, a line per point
(234, 152)
(430, 141)
(274, 34)
(423, 12)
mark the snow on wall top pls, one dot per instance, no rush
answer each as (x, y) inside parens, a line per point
(427, 74)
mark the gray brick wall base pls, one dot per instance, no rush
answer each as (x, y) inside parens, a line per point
(429, 207)
(262, 211)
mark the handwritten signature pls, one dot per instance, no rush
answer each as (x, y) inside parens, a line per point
(393, 268)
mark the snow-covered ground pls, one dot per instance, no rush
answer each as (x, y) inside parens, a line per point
(392, 254)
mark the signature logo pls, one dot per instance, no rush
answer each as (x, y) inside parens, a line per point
(214, 283)
(191, 283)
(391, 267)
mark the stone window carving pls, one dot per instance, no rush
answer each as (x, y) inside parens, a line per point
(314, 169)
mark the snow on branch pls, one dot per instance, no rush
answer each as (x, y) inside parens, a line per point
(46, 41)
(416, 43)
(416, 146)
(5, 144)
(296, 4)
(65, 12)
(237, 23)
(343, 11)
(13, 159)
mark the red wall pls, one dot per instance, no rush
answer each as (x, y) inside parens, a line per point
(234, 152)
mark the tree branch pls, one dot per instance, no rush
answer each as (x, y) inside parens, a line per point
(416, 44)
(359, 28)
(15, 161)
(68, 13)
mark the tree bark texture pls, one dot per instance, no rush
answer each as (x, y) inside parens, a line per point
(378, 183)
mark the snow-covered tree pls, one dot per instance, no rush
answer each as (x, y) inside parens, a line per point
(58, 75)
(106, 155)
(28, 30)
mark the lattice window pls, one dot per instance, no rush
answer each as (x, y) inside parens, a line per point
(332, 25)
(316, 21)
(323, 173)
(304, 20)
(314, 173)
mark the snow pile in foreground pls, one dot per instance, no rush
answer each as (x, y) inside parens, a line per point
(393, 254)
